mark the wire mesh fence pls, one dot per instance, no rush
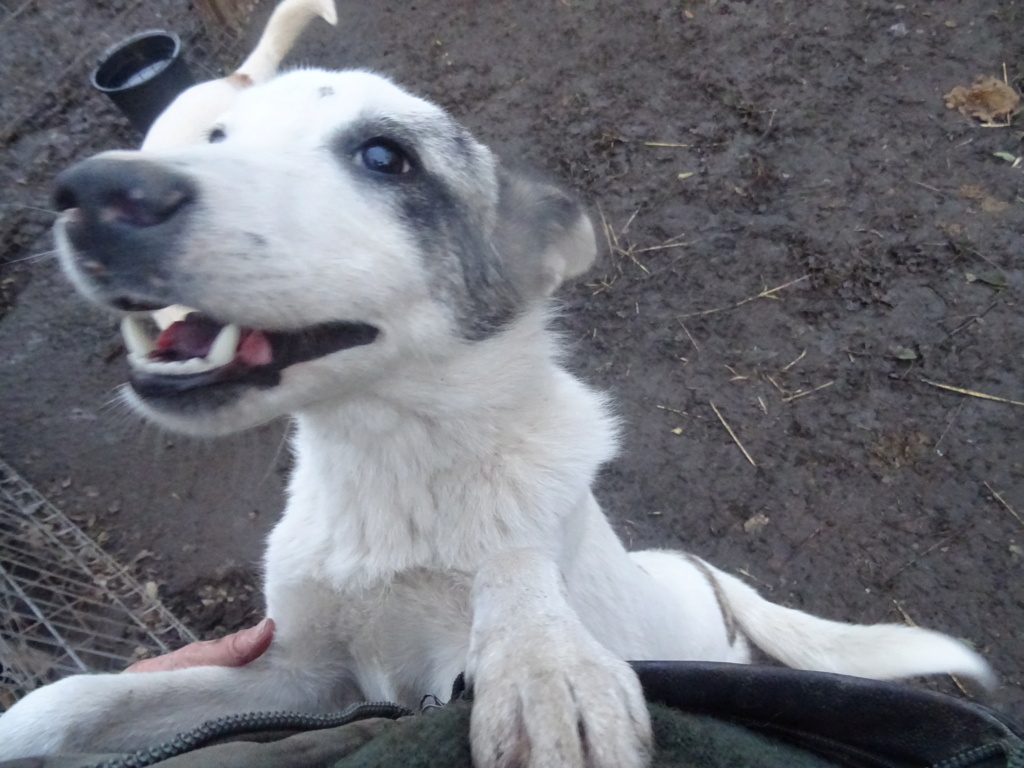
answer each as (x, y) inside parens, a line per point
(66, 606)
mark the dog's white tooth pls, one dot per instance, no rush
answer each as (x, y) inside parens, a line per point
(168, 316)
(223, 350)
(136, 339)
(193, 365)
(171, 368)
(138, 362)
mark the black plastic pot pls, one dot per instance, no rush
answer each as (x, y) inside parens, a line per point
(143, 74)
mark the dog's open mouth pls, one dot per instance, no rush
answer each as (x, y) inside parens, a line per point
(178, 349)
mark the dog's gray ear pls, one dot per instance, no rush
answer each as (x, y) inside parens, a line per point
(543, 234)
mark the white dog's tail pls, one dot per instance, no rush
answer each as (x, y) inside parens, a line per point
(879, 651)
(285, 24)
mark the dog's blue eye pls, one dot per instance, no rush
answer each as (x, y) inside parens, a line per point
(217, 134)
(383, 156)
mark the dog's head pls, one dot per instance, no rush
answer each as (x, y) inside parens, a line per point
(332, 226)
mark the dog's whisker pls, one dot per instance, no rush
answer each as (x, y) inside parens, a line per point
(31, 257)
(275, 460)
(25, 207)
(116, 412)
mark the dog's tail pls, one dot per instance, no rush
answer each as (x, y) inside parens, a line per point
(286, 23)
(879, 651)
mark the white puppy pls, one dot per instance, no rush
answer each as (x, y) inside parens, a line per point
(357, 260)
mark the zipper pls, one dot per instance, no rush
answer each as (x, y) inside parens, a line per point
(232, 725)
(975, 756)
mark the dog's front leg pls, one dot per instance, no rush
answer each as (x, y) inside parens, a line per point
(124, 712)
(546, 693)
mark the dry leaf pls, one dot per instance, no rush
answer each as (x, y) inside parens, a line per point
(756, 523)
(992, 279)
(903, 353)
(993, 205)
(989, 204)
(972, 191)
(988, 99)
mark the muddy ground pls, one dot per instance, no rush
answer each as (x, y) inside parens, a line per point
(798, 232)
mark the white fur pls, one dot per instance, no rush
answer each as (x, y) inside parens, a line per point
(440, 517)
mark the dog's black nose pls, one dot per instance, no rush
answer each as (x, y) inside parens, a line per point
(123, 224)
(113, 191)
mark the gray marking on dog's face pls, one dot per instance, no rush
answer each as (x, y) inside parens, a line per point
(447, 200)
(483, 234)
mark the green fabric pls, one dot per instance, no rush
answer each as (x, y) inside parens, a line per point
(309, 749)
(696, 741)
(312, 749)
(440, 739)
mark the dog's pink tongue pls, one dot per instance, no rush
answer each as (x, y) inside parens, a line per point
(254, 348)
(195, 335)
(188, 338)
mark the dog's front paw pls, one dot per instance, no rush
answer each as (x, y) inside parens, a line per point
(553, 696)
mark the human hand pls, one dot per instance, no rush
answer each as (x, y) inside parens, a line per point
(233, 650)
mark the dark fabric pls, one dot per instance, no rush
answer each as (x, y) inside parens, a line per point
(859, 723)
(439, 738)
(695, 741)
(702, 715)
(314, 749)
(273, 749)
